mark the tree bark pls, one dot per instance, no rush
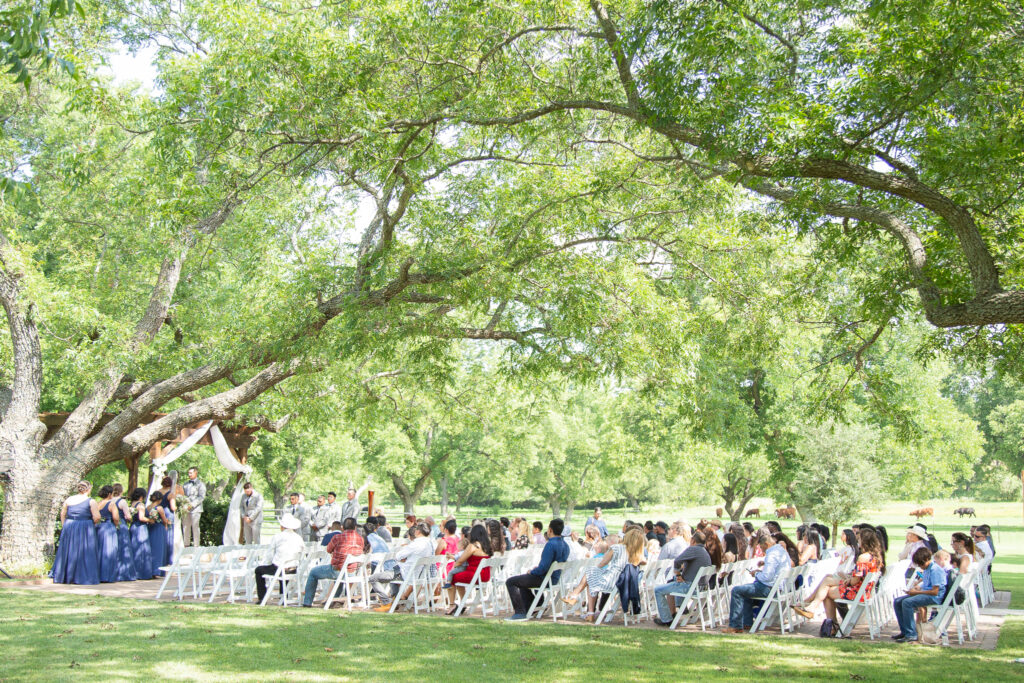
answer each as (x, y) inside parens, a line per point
(556, 506)
(444, 495)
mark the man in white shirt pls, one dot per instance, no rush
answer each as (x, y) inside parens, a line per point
(983, 544)
(285, 550)
(419, 546)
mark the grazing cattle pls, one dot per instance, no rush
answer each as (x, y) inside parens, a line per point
(923, 512)
(786, 512)
(968, 512)
(719, 512)
(754, 512)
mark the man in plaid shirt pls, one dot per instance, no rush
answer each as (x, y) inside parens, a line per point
(348, 542)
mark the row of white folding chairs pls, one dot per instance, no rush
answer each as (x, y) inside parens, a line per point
(194, 564)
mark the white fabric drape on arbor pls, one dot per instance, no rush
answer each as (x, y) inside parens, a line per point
(233, 525)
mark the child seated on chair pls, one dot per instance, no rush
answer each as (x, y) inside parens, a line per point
(930, 590)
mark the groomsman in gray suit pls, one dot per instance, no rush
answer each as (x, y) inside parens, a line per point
(195, 494)
(252, 515)
(301, 512)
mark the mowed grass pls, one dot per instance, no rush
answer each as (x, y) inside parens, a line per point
(47, 636)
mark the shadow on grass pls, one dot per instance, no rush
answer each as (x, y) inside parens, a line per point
(61, 636)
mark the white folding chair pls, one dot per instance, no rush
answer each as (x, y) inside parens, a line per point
(546, 594)
(777, 604)
(352, 574)
(698, 587)
(286, 576)
(181, 567)
(860, 605)
(416, 581)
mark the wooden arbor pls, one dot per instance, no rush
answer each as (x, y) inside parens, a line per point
(239, 438)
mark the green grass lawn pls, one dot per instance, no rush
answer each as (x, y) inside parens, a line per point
(51, 636)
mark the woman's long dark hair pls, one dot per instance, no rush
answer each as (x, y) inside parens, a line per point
(871, 543)
(730, 544)
(736, 530)
(790, 546)
(714, 548)
(479, 535)
(497, 535)
(850, 539)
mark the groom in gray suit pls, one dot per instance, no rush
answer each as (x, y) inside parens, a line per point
(252, 515)
(195, 494)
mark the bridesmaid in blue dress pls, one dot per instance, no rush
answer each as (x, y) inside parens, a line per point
(106, 535)
(169, 506)
(125, 564)
(76, 560)
(142, 557)
(157, 532)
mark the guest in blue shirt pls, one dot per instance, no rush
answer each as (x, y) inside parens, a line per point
(335, 530)
(520, 588)
(741, 606)
(930, 591)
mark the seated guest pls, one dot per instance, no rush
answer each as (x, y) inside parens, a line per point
(520, 588)
(419, 546)
(602, 578)
(917, 537)
(336, 528)
(677, 543)
(661, 533)
(538, 536)
(497, 534)
(966, 554)
(983, 543)
(506, 532)
(773, 526)
(686, 566)
(382, 529)
(849, 552)
(347, 542)
(790, 547)
(944, 560)
(741, 605)
(736, 529)
(716, 526)
(649, 530)
(448, 544)
(808, 545)
(477, 550)
(373, 539)
(844, 586)
(435, 529)
(285, 549)
(929, 591)
(715, 550)
(730, 547)
(523, 535)
(591, 535)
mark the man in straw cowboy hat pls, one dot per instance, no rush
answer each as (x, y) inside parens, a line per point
(285, 550)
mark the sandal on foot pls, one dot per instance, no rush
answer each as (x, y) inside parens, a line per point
(570, 600)
(806, 614)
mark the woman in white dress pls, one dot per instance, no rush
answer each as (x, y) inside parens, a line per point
(602, 578)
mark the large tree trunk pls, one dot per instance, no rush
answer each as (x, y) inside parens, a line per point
(569, 506)
(30, 511)
(444, 495)
(556, 506)
(634, 502)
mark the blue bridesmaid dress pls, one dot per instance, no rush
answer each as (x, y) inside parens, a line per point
(166, 503)
(141, 554)
(76, 560)
(125, 564)
(157, 542)
(106, 537)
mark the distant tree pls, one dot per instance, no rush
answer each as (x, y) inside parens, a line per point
(838, 480)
